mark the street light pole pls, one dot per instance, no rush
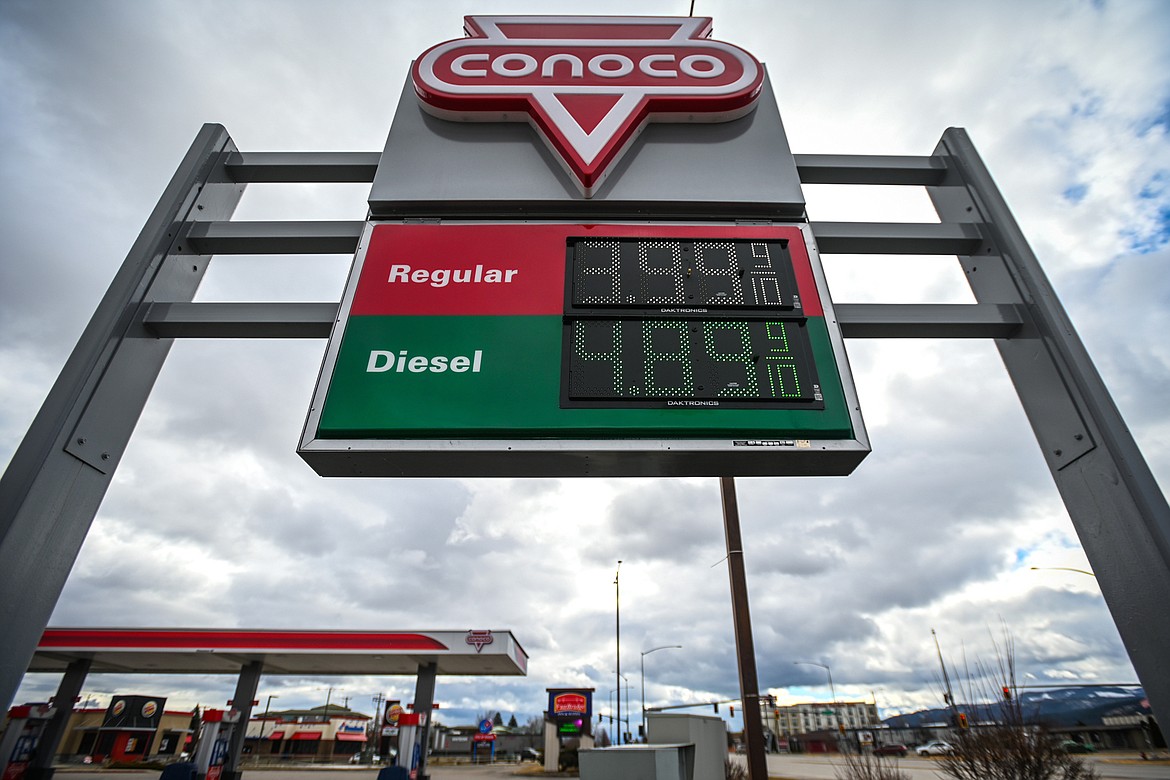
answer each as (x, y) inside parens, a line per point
(645, 731)
(263, 723)
(832, 690)
(1061, 568)
(617, 603)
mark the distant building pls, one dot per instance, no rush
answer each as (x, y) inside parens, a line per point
(307, 735)
(461, 742)
(816, 727)
(101, 734)
(795, 719)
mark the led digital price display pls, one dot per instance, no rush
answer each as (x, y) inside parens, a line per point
(658, 272)
(685, 323)
(730, 360)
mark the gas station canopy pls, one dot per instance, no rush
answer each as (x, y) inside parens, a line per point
(227, 651)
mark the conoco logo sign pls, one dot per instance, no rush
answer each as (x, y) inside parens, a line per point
(478, 639)
(588, 84)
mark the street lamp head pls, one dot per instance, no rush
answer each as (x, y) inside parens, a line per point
(663, 647)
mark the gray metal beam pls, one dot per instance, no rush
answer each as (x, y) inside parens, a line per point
(316, 320)
(324, 167)
(41, 766)
(1115, 504)
(322, 237)
(927, 320)
(246, 686)
(869, 169)
(341, 237)
(59, 474)
(424, 699)
(896, 238)
(241, 320)
(302, 167)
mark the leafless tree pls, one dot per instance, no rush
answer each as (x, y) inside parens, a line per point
(1000, 742)
(866, 766)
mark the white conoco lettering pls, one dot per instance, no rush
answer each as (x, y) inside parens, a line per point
(576, 69)
(460, 65)
(503, 65)
(715, 66)
(608, 65)
(441, 277)
(648, 63)
(383, 360)
(598, 66)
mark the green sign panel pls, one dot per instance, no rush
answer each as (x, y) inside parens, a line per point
(539, 349)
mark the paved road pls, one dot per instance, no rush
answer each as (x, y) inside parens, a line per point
(825, 768)
(779, 766)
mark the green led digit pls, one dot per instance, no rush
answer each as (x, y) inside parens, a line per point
(779, 362)
(669, 365)
(729, 345)
(600, 364)
(660, 272)
(598, 277)
(719, 273)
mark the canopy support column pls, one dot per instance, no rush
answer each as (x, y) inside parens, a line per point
(424, 699)
(246, 687)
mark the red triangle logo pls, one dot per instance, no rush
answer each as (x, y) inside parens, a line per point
(588, 110)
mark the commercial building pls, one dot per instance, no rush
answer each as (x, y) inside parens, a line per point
(796, 719)
(307, 735)
(122, 732)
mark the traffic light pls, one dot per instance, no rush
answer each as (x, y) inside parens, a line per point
(715, 704)
(962, 720)
(731, 709)
(1007, 693)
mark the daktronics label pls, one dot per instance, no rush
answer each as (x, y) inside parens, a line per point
(588, 84)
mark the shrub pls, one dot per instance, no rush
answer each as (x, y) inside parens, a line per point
(866, 766)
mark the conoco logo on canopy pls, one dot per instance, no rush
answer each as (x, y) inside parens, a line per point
(588, 84)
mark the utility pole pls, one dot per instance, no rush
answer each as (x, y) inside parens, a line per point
(617, 602)
(950, 696)
(374, 738)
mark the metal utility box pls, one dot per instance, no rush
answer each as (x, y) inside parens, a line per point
(707, 733)
(638, 762)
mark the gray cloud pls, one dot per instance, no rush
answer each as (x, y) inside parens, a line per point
(213, 520)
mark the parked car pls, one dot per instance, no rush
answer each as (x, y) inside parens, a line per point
(937, 748)
(1072, 746)
(892, 749)
(530, 754)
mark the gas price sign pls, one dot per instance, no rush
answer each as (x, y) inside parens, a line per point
(572, 349)
(655, 321)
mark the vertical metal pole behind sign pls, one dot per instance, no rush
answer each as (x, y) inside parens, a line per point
(59, 474)
(1115, 504)
(745, 651)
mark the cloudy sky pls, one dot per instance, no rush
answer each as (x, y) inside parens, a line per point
(213, 520)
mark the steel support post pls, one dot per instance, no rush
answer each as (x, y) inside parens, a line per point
(59, 474)
(246, 687)
(424, 699)
(41, 766)
(1115, 504)
(745, 650)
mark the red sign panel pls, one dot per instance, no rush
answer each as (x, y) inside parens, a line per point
(569, 704)
(465, 270)
(588, 84)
